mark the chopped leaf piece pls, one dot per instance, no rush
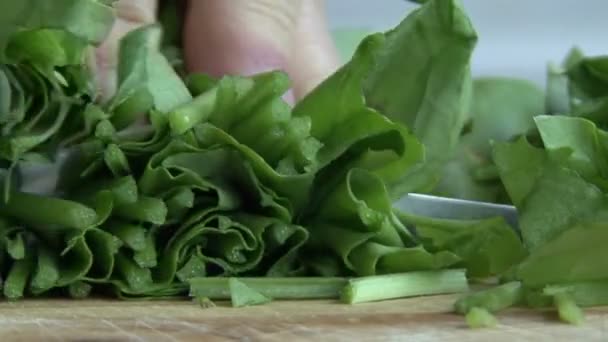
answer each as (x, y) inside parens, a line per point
(567, 309)
(493, 299)
(79, 290)
(242, 295)
(205, 302)
(590, 293)
(480, 318)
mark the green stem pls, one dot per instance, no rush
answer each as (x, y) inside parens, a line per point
(189, 115)
(493, 299)
(276, 288)
(392, 286)
(48, 211)
(134, 236)
(18, 277)
(567, 309)
(46, 273)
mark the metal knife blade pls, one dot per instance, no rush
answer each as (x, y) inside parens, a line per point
(452, 208)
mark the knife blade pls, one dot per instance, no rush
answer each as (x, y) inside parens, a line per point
(453, 208)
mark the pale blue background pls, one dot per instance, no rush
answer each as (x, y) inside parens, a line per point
(516, 37)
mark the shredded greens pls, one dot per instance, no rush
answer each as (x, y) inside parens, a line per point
(182, 184)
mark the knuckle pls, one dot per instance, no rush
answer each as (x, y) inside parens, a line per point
(282, 13)
(136, 11)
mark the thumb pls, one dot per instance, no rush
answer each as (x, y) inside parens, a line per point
(131, 14)
(252, 36)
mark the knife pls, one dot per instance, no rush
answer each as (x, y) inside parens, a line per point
(453, 208)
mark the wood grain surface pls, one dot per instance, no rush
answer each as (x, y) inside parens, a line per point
(419, 319)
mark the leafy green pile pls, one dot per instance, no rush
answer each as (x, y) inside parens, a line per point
(182, 177)
(181, 182)
(559, 189)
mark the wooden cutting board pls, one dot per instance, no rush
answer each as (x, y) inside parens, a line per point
(418, 319)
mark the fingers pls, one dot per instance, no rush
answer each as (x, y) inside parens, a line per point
(314, 56)
(131, 14)
(252, 36)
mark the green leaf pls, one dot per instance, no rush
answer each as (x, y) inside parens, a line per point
(137, 278)
(46, 274)
(146, 209)
(584, 293)
(588, 86)
(589, 145)
(436, 40)
(555, 198)
(431, 92)
(486, 247)
(578, 249)
(502, 109)
(255, 105)
(46, 49)
(132, 235)
(194, 267)
(520, 165)
(89, 20)
(144, 74)
(147, 256)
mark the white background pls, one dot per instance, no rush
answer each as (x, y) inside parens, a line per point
(516, 37)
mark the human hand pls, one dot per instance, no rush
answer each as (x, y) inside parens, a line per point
(241, 37)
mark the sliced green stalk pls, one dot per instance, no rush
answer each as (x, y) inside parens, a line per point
(589, 293)
(116, 160)
(134, 236)
(146, 209)
(480, 318)
(493, 299)
(79, 290)
(137, 278)
(277, 288)
(392, 286)
(147, 256)
(18, 276)
(204, 302)
(123, 189)
(188, 115)
(48, 211)
(567, 309)
(47, 271)
(194, 267)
